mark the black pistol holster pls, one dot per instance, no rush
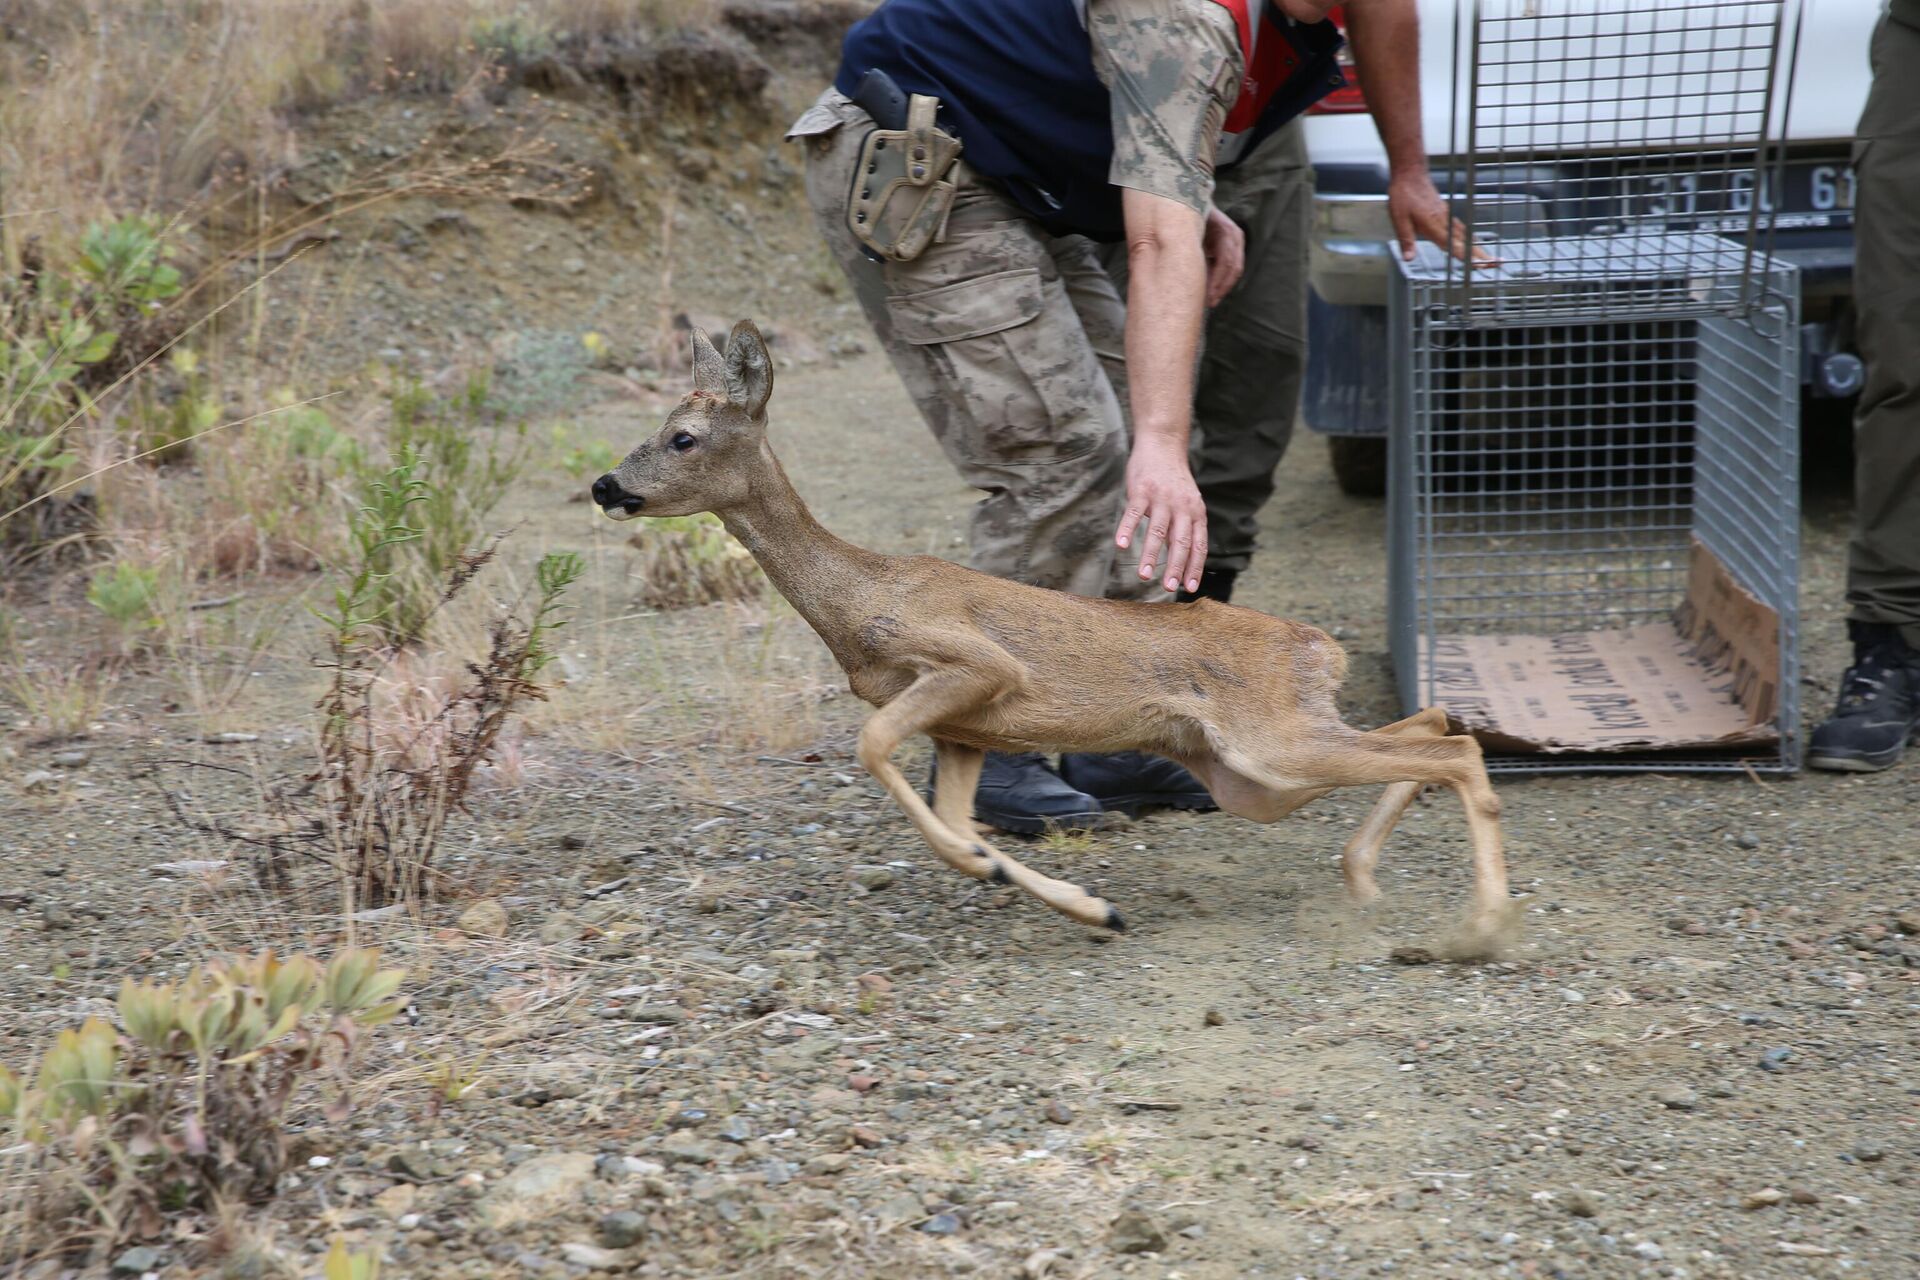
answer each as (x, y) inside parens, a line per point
(903, 188)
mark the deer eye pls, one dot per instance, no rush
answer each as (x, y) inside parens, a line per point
(682, 442)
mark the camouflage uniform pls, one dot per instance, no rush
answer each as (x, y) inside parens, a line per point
(1255, 346)
(1010, 339)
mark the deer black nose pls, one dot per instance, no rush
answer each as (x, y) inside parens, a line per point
(610, 495)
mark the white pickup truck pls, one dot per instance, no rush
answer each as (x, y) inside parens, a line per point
(1346, 386)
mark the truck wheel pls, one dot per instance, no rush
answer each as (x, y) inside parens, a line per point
(1360, 465)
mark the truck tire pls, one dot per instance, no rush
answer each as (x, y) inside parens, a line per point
(1359, 465)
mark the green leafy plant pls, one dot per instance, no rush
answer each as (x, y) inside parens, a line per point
(351, 1264)
(451, 1080)
(129, 595)
(584, 459)
(168, 421)
(60, 324)
(127, 261)
(184, 1104)
(453, 449)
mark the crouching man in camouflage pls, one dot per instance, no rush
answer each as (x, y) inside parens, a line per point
(964, 166)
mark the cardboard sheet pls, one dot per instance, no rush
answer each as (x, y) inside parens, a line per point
(1708, 679)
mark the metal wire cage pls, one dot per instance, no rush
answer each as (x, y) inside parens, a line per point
(1617, 122)
(1594, 515)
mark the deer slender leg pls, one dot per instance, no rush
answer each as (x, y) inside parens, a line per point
(1357, 860)
(939, 695)
(1453, 762)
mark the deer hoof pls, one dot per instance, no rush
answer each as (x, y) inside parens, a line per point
(1115, 921)
(1000, 875)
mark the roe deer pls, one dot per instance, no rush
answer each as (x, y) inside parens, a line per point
(1243, 700)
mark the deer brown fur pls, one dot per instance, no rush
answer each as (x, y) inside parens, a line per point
(1244, 700)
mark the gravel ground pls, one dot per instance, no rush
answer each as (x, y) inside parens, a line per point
(741, 1023)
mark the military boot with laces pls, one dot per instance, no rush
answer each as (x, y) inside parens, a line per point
(1879, 709)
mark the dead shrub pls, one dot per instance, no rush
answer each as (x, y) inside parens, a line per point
(692, 560)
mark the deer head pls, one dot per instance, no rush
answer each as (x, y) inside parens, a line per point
(702, 458)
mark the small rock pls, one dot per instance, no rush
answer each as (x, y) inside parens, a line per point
(1747, 840)
(736, 1129)
(866, 1137)
(1800, 950)
(1135, 1231)
(941, 1224)
(38, 781)
(686, 1149)
(1907, 922)
(1650, 1251)
(1571, 996)
(414, 1163)
(1869, 1152)
(1776, 1059)
(574, 266)
(873, 879)
(1213, 1018)
(861, 1084)
(1801, 1195)
(561, 926)
(1580, 1204)
(1058, 1112)
(484, 919)
(53, 916)
(139, 1260)
(877, 983)
(231, 739)
(658, 1014)
(573, 841)
(1676, 1097)
(829, 1162)
(72, 759)
(622, 1230)
(592, 1257)
(1764, 1198)
(540, 1188)
(397, 1199)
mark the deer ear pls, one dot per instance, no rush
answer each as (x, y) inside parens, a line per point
(709, 369)
(749, 370)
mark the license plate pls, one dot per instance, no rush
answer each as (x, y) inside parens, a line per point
(1803, 194)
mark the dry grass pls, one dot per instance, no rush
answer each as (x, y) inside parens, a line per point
(121, 105)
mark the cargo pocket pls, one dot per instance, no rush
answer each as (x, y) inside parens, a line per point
(1021, 383)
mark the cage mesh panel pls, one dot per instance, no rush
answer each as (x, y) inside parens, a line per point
(1627, 119)
(1550, 472)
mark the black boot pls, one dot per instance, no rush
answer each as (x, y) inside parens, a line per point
(1879, 709)
(1215, 584)
(1021, 793)
(1131, 781)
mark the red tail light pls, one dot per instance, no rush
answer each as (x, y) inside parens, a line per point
(1347, 100)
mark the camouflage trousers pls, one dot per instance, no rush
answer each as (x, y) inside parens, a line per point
(1254, 356)
(1011, 342)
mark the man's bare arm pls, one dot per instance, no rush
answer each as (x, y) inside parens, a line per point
(1166, 300)
(1386, 52)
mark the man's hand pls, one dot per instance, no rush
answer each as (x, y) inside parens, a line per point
(1385, 36)
(1169, 283)
(1225, 245)
(1419, 213)
(1160, 490)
